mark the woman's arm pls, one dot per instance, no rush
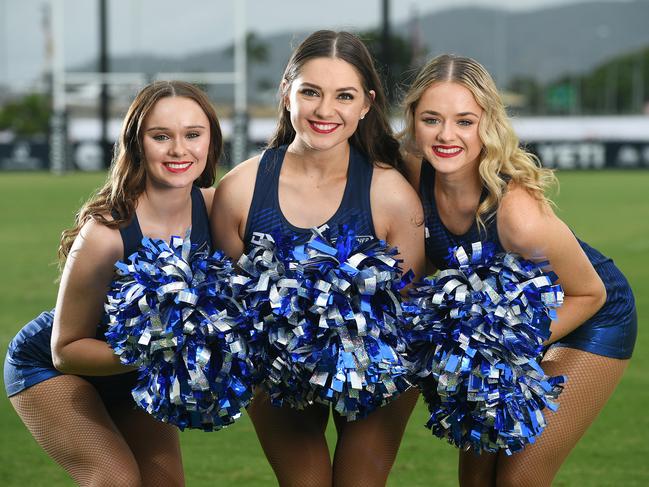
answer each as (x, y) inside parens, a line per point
(80, 304)
(530, 228)
(413, 174)
(398, 217)
(230, 206)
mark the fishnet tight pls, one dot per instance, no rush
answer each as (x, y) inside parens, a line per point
(366, 449)
(97, 444)
(591, 381)
(296, 447)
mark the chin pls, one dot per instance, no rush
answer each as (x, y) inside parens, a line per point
(326, 144)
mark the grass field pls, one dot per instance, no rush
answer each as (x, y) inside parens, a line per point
(610, 210)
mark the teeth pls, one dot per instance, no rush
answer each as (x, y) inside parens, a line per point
(325, 126)
(180, 165)
(444, 150)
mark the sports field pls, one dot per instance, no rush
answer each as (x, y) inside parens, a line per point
(608, 209)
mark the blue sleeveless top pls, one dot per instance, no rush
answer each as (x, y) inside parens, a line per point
(265, 216)
(200, 236)
(29, 356)
(610, 332)
(439, 239)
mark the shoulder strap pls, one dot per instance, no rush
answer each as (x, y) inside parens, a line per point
(201, 232)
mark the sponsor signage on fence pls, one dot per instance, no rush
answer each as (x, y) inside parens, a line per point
(24, 155)
(87, 156)
(591, 154)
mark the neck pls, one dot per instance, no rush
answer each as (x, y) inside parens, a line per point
(325, 162)
(164, 204)
(459, 191)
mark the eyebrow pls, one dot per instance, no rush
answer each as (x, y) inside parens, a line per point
(311, 85)
(461, 114)
(167, 128)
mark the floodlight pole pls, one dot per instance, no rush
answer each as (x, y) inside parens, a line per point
(239, 150)
(386, 53)
(58, 131)
(104, 102)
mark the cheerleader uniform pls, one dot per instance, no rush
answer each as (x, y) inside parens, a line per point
(611, 332)
(265, 216)
(29, 357)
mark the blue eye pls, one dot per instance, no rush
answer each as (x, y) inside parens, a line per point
(465, 123)
(160, 137)
(430, 121)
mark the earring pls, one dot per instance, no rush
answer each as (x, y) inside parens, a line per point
(362, 117)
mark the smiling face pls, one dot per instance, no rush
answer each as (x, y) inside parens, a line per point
(176, 142)
(446, 127)
(326, 101)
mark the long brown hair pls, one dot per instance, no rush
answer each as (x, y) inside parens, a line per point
(115, 202)
(374, 135)
(502, 159)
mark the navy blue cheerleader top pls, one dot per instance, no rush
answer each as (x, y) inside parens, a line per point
(200, 236)
(36, 334)
(610, 332)
(439, 240)
(265, 217)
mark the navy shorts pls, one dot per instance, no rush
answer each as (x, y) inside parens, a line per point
(612, 331)
(29, 362)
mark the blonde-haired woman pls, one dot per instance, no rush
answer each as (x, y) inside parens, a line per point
(476, 183)
(62, 378)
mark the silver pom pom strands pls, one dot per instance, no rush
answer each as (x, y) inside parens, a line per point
(476, 333)
(327, 322)
(172, 311)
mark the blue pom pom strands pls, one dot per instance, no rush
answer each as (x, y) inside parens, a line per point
(476, 333)
(172, 311)
(327, 322)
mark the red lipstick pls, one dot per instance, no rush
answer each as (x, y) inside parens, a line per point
(177, 166)
(447, 150)
(323, 127)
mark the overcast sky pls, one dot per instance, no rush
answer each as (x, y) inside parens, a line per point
(175, 27)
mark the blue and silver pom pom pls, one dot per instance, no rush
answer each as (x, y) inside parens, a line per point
(476, 333)
(172, 312)
(326, 322)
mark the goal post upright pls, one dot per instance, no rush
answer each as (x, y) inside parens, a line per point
(58, 137)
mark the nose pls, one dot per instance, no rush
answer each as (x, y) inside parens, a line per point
(445, 133)
(325, 109)
(177, 147)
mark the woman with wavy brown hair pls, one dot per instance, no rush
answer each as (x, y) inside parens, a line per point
(62, 378)
(477, 184)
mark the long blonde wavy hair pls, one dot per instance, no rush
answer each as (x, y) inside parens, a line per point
(501, 159)
(114, 203)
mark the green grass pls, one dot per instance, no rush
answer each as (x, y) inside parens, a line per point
(607, 209)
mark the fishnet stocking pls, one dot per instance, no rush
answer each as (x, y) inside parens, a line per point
(366, 448)
(294, 442)
(67, 417)
(155, 445)
(591, 381)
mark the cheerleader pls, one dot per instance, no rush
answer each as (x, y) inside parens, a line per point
(62, 378)
(476, 183)
(332, 161)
